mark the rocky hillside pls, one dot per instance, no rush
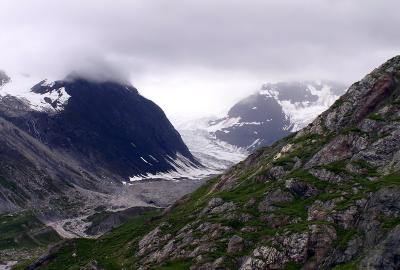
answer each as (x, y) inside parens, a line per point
(274, 111)
(325, 197)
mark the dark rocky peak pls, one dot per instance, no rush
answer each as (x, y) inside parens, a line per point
(275, 111)
(105, 124)
(378, 93)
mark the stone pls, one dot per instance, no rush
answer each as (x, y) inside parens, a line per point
(301, 189)
(236, 244)
(276, 196)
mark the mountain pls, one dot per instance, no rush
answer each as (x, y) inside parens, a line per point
(260, 119)
(214, 154)
(325, 197)
(76, 142)
(274, 112)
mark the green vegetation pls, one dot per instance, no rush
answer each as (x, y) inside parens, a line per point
(388, 223)
(110, 251)
(292, 266)
(337, 103)
(344, 236)
(24, 230)
(309, 178)
(376, 117)
(245, 191)
(353, 265)
(337, 166)
(391, 180)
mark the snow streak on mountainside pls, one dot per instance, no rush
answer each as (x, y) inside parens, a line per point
(273, 112)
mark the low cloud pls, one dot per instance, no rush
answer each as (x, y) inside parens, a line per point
(155, 40)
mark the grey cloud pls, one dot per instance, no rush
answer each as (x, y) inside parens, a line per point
(282, 39)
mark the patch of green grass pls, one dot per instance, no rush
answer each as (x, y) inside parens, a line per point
(353, 265)
(388, 223)
(376, 117)
(285, 161)
(337, 103)
(307, 137)
(296, 208)
(309, 178)
(370, 170)
(246, 190)
(392, 180)
(336, 167)
(292, 266)
(111, 251)
(344, 236)
(352, 129)
(24, 230)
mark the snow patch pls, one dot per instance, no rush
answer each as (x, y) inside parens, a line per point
(145, 161)
(303, 113)
(183, 168)
(223, 124)
(20, 87)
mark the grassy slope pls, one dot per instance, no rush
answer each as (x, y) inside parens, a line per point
(23, 235)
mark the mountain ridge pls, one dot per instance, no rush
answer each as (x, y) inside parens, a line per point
(325, 197)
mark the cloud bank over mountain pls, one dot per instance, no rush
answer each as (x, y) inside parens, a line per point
(193, 47)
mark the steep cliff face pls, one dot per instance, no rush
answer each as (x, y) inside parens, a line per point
(325, 197)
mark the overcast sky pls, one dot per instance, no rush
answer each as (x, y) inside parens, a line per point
(198, 57)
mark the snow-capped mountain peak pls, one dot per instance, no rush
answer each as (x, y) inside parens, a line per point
(44, 96)
(274, 111)
(302, 101)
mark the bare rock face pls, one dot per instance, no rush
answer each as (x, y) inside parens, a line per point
(301, 189)
(236, 244)
(277, 196)
(385, 255)
(264, 257)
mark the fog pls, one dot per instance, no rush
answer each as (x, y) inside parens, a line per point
(196, 58)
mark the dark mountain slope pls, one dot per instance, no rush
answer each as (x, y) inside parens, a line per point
(275, 111)
(106, 125)
(325, 197)
(68, 147)
(32, 176)
(262, 121)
